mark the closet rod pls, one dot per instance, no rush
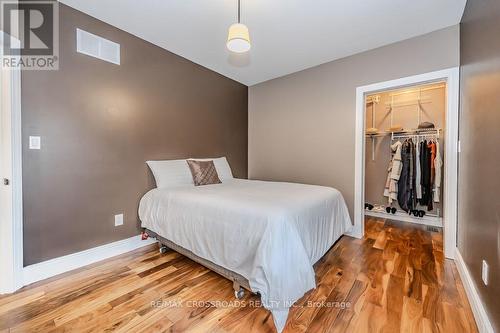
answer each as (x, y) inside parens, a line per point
(425, 134)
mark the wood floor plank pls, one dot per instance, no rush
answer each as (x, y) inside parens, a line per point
(395, 279)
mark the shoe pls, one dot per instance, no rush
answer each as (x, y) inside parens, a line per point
(388, 210)
(393, 210)
(421, 213)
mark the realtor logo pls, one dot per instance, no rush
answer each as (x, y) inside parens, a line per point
(29, 34)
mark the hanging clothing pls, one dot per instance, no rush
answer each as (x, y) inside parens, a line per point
(406, 180)
(432, 149)
(418, 174)
(403, 180)
(393, 173)
(425, 181)
(414, 174)
(438, 164)
(413, 186)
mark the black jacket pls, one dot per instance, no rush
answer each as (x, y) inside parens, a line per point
(406, 183)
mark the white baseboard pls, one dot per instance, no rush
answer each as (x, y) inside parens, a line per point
(52, 267)
(355, 232)
(480, 314)
(401, 216)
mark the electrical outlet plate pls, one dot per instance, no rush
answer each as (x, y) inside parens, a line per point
(35, 142)
(118, 220)
(484, 272)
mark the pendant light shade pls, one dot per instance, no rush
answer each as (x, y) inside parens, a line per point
(238, 38)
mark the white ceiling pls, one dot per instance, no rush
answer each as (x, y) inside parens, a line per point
(287, 35)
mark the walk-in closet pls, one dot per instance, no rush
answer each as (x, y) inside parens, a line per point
(404, 153)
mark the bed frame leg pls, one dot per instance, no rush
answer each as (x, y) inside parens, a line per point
(239, 292)
(163, 249)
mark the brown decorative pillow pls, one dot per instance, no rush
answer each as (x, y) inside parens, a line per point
(204, 172)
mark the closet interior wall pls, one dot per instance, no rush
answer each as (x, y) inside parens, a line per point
(405, 107)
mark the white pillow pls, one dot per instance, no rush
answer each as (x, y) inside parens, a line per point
(170, 173)
(221, 165)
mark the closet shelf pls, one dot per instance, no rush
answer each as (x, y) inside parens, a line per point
(391, 105)
(372, 135)
(416, 131)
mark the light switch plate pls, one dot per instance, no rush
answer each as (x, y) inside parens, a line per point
(118, 220)
(35, 142)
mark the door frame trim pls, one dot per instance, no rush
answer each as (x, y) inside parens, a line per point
(450, 178)
(13, 257)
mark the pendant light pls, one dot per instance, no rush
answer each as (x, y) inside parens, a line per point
(238, 38)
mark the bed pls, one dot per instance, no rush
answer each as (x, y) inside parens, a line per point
(264, 236)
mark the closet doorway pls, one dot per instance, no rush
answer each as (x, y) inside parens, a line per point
(406, 152)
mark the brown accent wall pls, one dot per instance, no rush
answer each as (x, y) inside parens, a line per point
(100, 122)
(479, 180)
(301, 127)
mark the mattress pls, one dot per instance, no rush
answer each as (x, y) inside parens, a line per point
(271, 233)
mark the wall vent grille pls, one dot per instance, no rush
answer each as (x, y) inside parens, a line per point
(98, 47)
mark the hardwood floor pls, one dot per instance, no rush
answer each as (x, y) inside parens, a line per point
(394, 280)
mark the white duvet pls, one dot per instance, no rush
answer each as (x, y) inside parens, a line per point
(271, 233)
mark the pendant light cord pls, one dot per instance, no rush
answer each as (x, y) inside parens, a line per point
(238, 11)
